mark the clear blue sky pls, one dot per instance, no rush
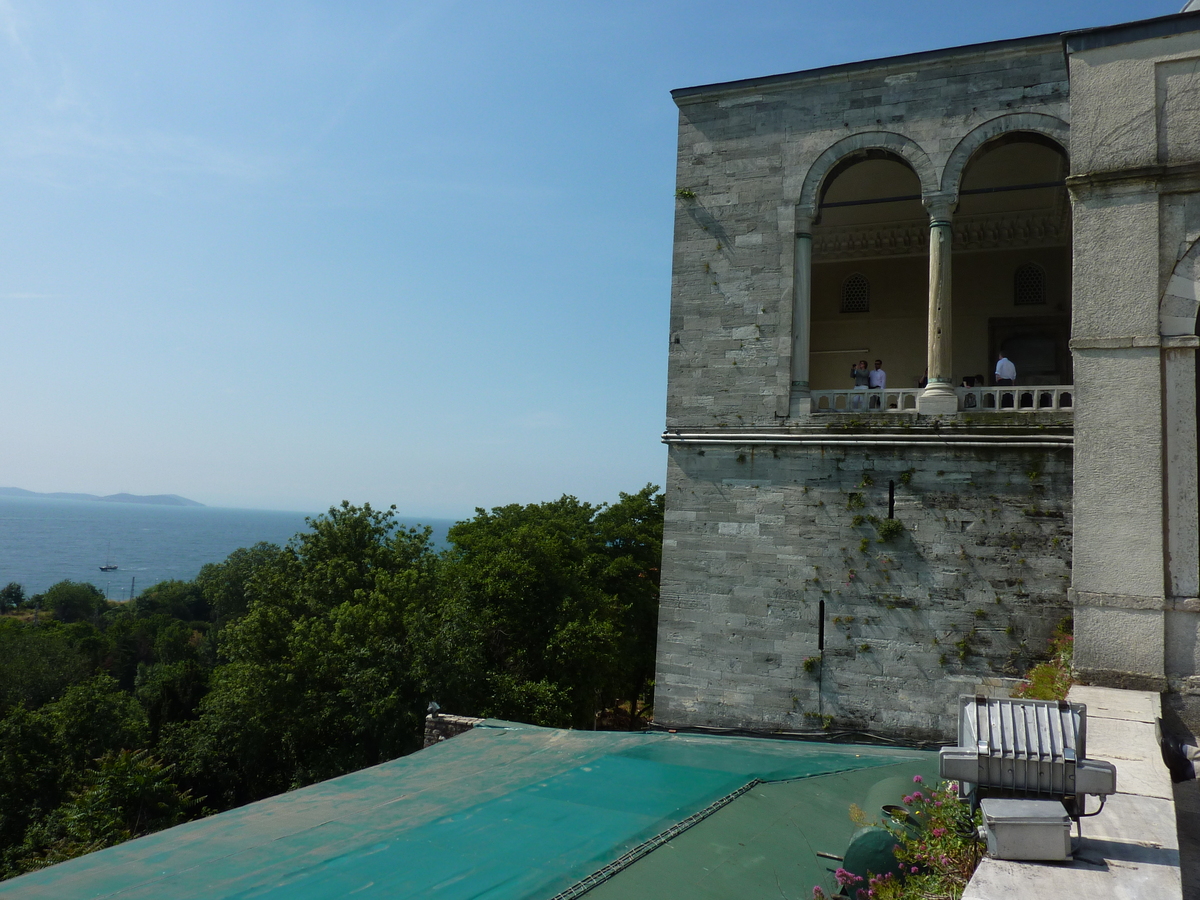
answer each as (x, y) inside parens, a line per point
(278, 255)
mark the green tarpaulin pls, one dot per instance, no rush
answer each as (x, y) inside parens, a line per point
(515, 811)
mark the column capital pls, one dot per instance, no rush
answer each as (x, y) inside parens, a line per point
(805, 215)
(940, 207)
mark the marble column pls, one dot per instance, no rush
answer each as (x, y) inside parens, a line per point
(801, 399)
(939, 398)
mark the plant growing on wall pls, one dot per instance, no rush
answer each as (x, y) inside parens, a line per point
(889, 529)
(1051, 680)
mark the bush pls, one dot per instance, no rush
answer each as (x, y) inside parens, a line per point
(937, 849)
(71, 601)
(889, 529)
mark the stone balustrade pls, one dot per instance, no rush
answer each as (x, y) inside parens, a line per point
(1020, 398)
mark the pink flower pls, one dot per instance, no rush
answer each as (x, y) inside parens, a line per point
(908, 800)
(846, 878)
(939, 832)
(917, 779)
(945, 861)
(914, 870)
(917, 795)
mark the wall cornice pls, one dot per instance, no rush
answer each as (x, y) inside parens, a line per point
(1165, 178)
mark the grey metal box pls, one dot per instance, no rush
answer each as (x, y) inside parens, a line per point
(1026, 829)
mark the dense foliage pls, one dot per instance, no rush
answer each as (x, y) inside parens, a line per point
(936, 849)
(282, 666)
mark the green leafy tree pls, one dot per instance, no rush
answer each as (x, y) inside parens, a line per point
(95, 717)
(170, 692)
(72, 601)
(318, 680)
(33, 773)
(181, 600)
(12, 595)
(127, 794)
(631, 531)
(524, 597)
(228, 586)
(37, 664)
(48, 753)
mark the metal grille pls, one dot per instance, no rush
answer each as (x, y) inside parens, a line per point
(856, 294)
(1025, 746)
(1028, 748)
(1029, 285)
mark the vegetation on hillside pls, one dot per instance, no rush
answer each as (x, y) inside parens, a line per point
(282, 666)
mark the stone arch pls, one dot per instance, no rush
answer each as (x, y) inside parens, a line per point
(1178, 304)
(1039, 123)
(906, 148)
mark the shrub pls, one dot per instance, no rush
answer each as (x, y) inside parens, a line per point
(1052, 679)
(889, 529)
(936, 847)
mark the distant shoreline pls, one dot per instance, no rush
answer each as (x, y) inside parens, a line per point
(147, 500)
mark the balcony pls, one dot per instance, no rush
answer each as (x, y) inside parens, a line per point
(1034, 398)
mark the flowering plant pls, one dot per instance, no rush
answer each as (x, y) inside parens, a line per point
(936, 846)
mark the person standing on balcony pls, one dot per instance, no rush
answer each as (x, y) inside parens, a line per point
(1006, 372)
(1006, 376)
(877, 379)
(862, 380)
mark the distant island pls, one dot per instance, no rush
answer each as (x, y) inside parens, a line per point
(152, 499)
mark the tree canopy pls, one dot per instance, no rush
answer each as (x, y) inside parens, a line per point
(282, 666)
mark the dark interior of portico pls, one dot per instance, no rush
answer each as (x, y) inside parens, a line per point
(1011, 266)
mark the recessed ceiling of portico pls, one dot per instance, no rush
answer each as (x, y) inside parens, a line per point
(868, 185)
(1011, 164)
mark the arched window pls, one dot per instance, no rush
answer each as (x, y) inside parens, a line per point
(856, 294)
(1029, 285)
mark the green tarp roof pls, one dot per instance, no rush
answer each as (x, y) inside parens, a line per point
(510, 811)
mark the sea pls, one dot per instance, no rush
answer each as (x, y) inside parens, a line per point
(44, 541)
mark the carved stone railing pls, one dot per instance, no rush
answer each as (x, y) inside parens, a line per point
(873, 401)
(1020, 398)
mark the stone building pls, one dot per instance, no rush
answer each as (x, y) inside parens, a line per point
(858, 558)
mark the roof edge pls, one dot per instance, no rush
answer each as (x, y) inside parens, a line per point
(1128, 32)
(742, 84)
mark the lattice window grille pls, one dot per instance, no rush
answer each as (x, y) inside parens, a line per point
(1029, 286)
(856, 294)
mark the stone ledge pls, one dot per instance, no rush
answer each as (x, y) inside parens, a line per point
(1091, 599)
(1127, 342)
(1120, 680)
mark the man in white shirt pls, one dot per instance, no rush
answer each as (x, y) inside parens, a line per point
(1006, 372)
(1006, 376)
(877, 378)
